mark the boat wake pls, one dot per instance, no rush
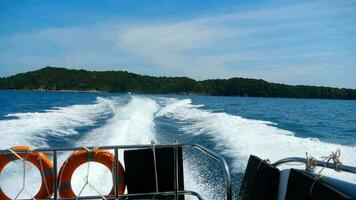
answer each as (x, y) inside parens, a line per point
(133, 122)
(237, 137)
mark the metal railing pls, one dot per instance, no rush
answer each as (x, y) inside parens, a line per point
(329, 165)
(176, 193)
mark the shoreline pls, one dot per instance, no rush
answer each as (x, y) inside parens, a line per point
(64, 91)
(182, 94)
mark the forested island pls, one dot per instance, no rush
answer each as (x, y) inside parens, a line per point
(59, 79)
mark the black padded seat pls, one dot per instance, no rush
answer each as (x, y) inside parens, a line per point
(300, 186)
(140, 172)
(260, 181)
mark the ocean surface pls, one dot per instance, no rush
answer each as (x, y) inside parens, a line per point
(235, 127)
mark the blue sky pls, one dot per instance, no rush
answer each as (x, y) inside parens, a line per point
(293, 42)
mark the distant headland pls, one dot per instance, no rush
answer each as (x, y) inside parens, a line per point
(62, 79)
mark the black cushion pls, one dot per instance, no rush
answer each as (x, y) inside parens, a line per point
(260, 181)
(300, 186)
(140, 172)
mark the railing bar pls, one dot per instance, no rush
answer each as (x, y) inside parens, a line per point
(201, 148)
(55, 174)
(185, 192)
(101, 147)
(115, 181)
(176, 181)
(344, 168)
(228, 184)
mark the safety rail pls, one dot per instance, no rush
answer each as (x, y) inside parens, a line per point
(176, 193)
(319, 163)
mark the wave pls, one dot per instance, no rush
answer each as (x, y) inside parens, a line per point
(33, 128)
(237, 137)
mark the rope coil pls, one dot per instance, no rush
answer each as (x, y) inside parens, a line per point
(334, 157)
(311, 162)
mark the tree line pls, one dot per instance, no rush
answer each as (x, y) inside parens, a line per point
(53, 78)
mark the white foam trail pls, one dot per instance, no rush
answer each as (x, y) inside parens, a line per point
(33, 128)
(238, 137)
(131, 124)
(192, 178)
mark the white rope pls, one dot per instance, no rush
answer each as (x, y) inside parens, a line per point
(86, 178)
(17, 155)
(43, 174)
(155, 162)
(23, 189)
(86, 183)
(92, 187)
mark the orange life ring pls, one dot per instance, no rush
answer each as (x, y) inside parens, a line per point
(42, 163)
(80, 157)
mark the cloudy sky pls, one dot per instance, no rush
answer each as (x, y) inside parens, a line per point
(293, 42)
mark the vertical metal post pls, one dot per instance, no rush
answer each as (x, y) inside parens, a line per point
(228, 190)
(55, 174)
(116, 181)
(176, 172)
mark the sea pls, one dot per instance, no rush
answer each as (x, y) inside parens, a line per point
(235, 127)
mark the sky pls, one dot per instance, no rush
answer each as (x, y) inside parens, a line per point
(293, 42)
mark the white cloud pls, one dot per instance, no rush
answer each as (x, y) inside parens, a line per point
(172, 45)
(226, 45)
(279, 43)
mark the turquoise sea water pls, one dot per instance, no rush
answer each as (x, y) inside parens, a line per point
(232, 126)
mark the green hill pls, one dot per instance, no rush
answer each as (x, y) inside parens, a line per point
(52, 78)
